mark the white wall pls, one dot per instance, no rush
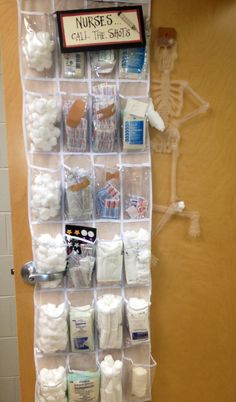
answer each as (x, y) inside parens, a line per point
(9, 384)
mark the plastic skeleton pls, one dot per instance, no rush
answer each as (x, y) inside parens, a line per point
(168, 98)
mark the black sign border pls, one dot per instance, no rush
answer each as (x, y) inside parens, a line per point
(96, 47)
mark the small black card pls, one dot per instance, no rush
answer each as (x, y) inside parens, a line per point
(101, 28)
(76, 235)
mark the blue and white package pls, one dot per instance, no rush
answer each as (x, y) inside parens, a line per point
(134, 125)
(82, 328)
(133, 63)
(137, 311)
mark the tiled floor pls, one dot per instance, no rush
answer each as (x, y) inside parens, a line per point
(9, 380)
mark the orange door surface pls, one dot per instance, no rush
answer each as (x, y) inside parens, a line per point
(194, 284)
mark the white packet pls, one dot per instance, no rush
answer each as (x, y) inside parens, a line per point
(82, 328)
(83, 386)
(137, 310)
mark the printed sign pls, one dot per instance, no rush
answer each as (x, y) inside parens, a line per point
(103, 28)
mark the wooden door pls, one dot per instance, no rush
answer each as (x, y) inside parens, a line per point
(194, 298)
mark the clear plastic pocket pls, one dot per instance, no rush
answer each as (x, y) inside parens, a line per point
(137, 312)
(51, 382)
(103, 63)
(109, 261)
(109, 318)
(51, 332)
(111, 377)
(38, 46)
(73, 65)
(50, 257)
(81, 266)
(76, 126)
(134, 123)
(78, 188)
(133, 63)
(137, 257)
(81, 321)
(139, 372)
(136, 192)
(45, 194)
(83, 378)
(42, 122)
(104, 118)
(107, 193)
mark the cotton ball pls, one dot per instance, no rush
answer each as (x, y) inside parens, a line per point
(38, 50)
(52, 328)
(50, 253)
(52, 384)
(41, 120)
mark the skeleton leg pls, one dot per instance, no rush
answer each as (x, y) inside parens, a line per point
(193, 216)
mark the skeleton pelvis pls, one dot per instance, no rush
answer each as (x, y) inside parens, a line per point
(167, 142)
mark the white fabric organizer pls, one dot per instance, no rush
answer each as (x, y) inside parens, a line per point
(75, 177)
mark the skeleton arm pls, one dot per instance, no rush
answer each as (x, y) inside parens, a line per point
(203, 107)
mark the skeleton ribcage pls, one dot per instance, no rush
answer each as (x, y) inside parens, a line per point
(168, 101)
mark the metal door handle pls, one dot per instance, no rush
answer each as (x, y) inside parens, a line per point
(31, 276)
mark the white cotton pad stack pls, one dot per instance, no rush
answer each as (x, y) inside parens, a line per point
(50, 253)
(42, 114)
(52, 385)
(52, 328)
(109, 321)
(139, 381)
(46, 197)
(111, 380)
(137, 256)
(137, 311)
(38, 50)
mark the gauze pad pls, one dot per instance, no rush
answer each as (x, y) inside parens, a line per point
(83, 386)
(82, 328)
(137, 311)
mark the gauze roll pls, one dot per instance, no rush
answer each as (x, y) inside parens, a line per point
(82, 328)
(137, 256)
(109, 260)
(38, 48)
(109, 321)
(139, 381)
(52, 385)
(45, 197)
(111, 380)
(52, 328)
(42, 115)
(137, 311)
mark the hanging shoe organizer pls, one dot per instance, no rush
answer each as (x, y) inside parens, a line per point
(90, 207)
